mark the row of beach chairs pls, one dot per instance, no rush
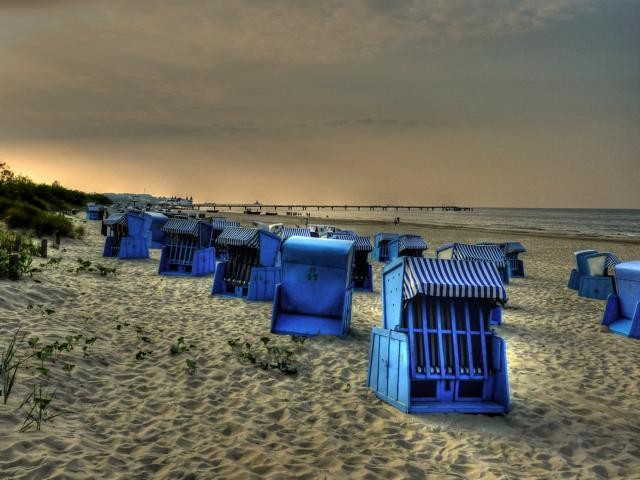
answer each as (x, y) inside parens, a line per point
(436, 350)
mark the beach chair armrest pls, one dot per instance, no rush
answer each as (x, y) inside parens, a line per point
(611, 310)
(635, 323)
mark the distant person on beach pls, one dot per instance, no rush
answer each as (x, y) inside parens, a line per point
(396, 221)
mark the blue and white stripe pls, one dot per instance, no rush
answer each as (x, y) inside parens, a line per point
(182, 226)
(482, 253)
(361, 243)
(287, 232)
(611, 261)
(222, 223)
(116, 219)
(240, 237)
(411, 242)
(452, 278)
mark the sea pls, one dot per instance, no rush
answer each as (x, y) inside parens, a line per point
(620, 224)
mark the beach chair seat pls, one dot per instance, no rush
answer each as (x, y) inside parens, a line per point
(250, 267)
(314, 297)
(595, 282)
(188, 249)
(622, 311)
(436, 351)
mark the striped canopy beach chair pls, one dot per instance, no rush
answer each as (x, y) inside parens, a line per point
(476, 253)
(381, 246)
(127, 236)
(95, 211)
(511, 251)
(595, 274)
(287, 232)
(154, 221)
(314, 297)
(622, 312)
(218, 225)
(407, 246)
(188, 249)
(251, 267)
(362, 273)
(436, 351)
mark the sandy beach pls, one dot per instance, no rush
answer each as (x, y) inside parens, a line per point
(574, 387)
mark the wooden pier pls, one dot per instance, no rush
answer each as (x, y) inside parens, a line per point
(318, 207)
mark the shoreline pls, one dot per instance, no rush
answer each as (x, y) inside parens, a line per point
(421, 226)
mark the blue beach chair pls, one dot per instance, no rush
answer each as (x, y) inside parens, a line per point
(127, 236)
(362, 273)
(381, 246)
(596, 282)
(218, 225)
(407, 246)
(95, 211)
(436, 351)
(476, 253)
(511, 251)
(188, 249)
(251, 267)
(287, 232)
(314, 297)
(622, 312)
(154, 221)
(581, 268)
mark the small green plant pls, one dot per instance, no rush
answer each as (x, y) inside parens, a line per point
(277, 357)
(33, 342)
(191, 366)
(87, 267)
(39, 401)
(68, 367)
(242, 349)
(88, 343)
(179, 347)
(9, 368)
(143, 353)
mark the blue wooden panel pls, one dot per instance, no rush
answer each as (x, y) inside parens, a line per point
(387, 374)
(133, 247)
(263, 283)
(392, 278)
(596, 287)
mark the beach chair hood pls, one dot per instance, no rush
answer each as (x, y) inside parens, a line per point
(288, 232)
(411, 242)
(451, 278)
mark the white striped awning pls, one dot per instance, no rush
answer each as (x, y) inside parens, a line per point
(221, 223)
(482, 253)
(507, 247)
(287, 232)
(411, 242)
(182, 226)
(451, 278)
(240, 237)
(611, 261)
(362, 244)
(116, 219)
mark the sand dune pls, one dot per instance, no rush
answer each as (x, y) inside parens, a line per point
(574, 387)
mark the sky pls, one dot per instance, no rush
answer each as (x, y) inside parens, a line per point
(514, 103)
